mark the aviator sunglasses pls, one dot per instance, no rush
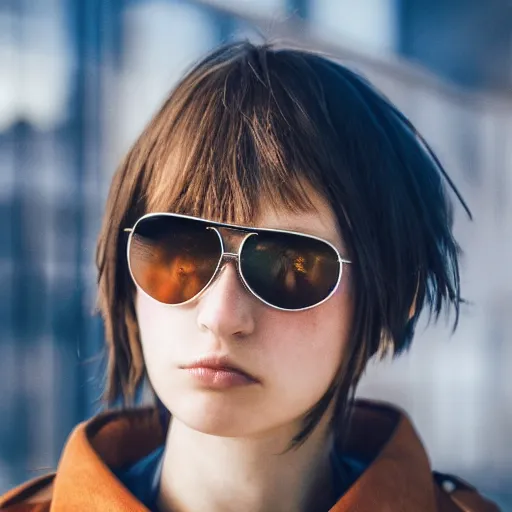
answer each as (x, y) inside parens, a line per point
(174, 258)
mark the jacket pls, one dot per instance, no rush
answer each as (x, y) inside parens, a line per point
(398, 478)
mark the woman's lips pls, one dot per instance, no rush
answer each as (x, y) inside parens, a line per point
(219, 378)
(219, 373)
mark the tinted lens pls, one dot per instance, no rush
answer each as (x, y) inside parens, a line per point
(289, 271)
(173, 259)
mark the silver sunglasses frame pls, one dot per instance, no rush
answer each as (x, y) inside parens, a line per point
(229, 256)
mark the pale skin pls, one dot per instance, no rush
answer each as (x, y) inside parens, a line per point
(224, 447)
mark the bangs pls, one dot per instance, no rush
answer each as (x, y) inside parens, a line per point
(226, 146)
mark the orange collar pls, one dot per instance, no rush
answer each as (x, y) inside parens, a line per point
(399, 478)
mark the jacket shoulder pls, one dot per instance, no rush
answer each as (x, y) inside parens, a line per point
(32, 496)
(455, 495)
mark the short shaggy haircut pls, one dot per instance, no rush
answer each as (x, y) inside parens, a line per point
(252, 124)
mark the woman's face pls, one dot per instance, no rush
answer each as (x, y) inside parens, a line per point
(293, 355)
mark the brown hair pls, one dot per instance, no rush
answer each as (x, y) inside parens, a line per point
(252, 124)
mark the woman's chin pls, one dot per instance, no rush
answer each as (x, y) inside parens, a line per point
(214, 415)
(213, 424)
(227, 414)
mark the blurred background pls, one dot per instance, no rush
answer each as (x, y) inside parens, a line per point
(78, 81)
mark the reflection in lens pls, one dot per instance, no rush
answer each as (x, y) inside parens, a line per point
(173, 259)
(289, 271)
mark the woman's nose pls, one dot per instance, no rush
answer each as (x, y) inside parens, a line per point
(227, 308)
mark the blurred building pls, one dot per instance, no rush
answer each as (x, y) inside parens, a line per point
(78, 81)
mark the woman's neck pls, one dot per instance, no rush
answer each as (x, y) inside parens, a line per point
(204, 472)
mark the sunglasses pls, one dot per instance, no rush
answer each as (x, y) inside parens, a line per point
(174, 258)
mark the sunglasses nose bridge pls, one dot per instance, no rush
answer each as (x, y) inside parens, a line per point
(232, 257)
(226, 259)
(229, 257)
(232, 239)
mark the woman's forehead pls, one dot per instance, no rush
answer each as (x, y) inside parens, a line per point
(318, 221)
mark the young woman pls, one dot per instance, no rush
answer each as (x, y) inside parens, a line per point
(276, 225)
